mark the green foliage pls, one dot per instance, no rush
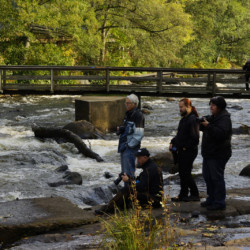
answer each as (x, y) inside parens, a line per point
(170, 33)
(221, 33)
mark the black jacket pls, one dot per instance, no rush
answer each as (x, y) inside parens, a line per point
(150, 180)
(216, 140)
(188, 133)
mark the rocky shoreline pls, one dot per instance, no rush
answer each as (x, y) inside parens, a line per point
(56, 219)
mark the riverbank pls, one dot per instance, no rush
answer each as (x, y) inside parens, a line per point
(54, 220)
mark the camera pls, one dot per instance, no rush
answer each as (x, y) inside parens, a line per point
(118, 180)
(200, 119)
(120, 130)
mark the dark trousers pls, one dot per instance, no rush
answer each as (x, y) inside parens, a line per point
(123, 199)
(213, 174)
(185, 163)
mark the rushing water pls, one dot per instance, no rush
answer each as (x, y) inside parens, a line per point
(28, 164)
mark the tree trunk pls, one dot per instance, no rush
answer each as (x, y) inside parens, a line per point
(67, 135)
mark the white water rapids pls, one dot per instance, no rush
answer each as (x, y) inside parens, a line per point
(27, 164)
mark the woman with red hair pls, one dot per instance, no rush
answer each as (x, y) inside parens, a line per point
(185, 143)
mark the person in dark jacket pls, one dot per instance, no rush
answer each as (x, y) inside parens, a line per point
(216, 151)
(148, 185)
(246, 67)
(131, 134)
(186, 144)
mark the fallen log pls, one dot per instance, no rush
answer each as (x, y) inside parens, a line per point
(68, 136)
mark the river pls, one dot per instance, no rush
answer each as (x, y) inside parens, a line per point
(28, 164)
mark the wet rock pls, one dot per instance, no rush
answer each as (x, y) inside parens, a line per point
(147, 106)
(24, 158)
(108, 175)
(195, 214)
(165, 161)
(242, 243)
(70, 178)
(99, 195)
(170, 99)
(62, 168)
(243, 129)
(84, 129)
(236, 107)
(36, 216)
(146, 111)
(245, 171)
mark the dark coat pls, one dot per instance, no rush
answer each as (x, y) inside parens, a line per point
(216, 140)
(188, 133)
(150, 180)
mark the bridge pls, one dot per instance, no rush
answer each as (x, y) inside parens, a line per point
(122, 80)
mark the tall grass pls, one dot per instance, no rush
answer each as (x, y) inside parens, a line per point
(137, 228)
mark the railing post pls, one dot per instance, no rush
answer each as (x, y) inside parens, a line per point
(4, 79)
(208, 81)
(1, 86)
(52, 87)
(214, 84)
(107, 80)
(159, 82)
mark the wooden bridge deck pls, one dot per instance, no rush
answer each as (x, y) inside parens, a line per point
(122, 80)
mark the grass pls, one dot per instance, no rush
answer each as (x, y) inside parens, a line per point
(137, 228)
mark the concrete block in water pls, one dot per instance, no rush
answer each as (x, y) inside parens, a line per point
(104, 112)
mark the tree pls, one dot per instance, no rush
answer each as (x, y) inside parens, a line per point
(145, 33)
(221, 33)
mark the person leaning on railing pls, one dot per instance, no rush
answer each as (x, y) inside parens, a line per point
(246, 67)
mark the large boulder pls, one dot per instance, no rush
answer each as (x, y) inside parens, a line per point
(245, 171)
(84, 129)
(166, 162)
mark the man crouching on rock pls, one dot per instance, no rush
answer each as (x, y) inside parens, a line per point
(148, 186)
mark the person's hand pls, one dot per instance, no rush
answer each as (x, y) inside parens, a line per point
(125, 178)
(170, 146)
(205, 123)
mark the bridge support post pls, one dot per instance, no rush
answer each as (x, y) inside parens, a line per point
(159, 82)
(107, 80)
(52, 87)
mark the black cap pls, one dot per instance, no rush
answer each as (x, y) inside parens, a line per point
(219, 101)
(142, 152)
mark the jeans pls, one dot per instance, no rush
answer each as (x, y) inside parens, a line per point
(185, 163)
(128, 161)
(213, 174)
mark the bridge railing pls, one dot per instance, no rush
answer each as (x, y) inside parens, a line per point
(120, 79)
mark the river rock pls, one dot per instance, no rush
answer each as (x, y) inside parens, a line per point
(70, 178)
(236, 107)
(245, 171)
(146, 111)
(170, 99)
(84, 129)
(243, 129)
(62, 168)
(165, 161)
(147, 106)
